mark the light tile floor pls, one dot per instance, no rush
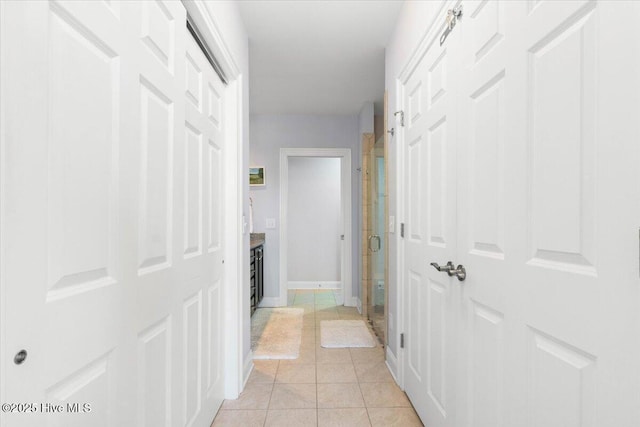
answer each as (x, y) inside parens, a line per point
(348, 387)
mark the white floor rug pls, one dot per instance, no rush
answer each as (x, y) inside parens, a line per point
(345, 333)
(276, 333)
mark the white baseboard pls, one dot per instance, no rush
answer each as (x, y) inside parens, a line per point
(271, 302)
(355, 302)
(247, 368)
(392, 364)
(314, 285)
(338, 294)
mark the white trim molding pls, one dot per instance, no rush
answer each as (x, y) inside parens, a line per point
(247, 368)
(392, 363)
(270, 302)
(344, 154)
(209, 29)
(357, 303)
(314, 285)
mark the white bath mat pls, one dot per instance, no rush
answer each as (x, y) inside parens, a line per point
(345, 333)
(276, 333)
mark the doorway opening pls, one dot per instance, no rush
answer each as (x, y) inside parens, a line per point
(315, 212)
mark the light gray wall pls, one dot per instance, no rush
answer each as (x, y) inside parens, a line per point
(315, 222)
(365, 118)
(269, 133)
(412, 25)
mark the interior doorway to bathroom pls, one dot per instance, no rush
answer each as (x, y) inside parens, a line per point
(315, 203)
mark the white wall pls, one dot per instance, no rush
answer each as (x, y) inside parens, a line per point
(315, 222)
(415, 18)
(269, 133)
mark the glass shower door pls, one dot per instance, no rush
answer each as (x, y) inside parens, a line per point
(376, 295)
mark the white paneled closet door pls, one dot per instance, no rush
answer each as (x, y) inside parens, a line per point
(548, 207)
(201, 237)
(111, 220)
(488, 215)
(430, 300)
(549, 214)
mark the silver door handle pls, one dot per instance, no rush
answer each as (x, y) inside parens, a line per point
(446, 268)
(458, 271)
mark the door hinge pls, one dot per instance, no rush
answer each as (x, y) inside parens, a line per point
(402, 229)
(342, 237)
(401, 340)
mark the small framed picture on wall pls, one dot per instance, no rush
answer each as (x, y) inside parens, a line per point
(257, 177)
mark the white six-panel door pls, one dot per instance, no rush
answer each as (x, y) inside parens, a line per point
(549, 214)
(430, 236)
(112, 216)
(486, 196)
(546, 96)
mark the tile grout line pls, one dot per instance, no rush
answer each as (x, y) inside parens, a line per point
(361, 393)
(273, 387)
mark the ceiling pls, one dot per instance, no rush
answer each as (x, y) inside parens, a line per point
(317, 57)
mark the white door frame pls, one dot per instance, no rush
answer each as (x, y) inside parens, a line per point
(344, 154)
(400, 215)
(234, 189)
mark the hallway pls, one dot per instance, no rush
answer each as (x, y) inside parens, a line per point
(323, 387)
(481, 159)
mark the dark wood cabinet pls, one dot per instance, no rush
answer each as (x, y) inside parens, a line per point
(257, 276)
